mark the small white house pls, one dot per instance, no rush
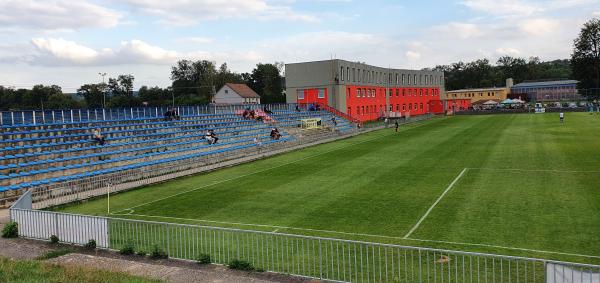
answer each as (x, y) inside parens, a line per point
(236, 94)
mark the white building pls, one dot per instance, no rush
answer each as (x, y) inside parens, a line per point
(236, 94)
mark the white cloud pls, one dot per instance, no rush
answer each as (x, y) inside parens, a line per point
(459, 30)
(596, 14)
(521, 8)
(508, 51)
(196, 40)
(503, 7)
(189, 12)
(61, 52)
(56, 14)
(413, 56)
(537, 27)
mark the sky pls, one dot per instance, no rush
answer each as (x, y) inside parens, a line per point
(69, 43)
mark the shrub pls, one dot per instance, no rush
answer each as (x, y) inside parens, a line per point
(54, 239)
(241, 265)
(127, 248)
(204, 259)
(158, 253)
(91, 245)
(141, 253)
(10, 230)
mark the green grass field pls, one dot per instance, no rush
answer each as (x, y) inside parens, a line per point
(508, 184)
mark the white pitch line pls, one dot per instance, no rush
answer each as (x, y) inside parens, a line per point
(277, 228)
(502, 247)
(534, 170)
(435, 203)
(260, 171)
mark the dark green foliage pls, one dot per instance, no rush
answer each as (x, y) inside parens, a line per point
(586, 56)
(481, 73)
(40, 96)
(157, 252)
(204, 259)
(141, 253)
(54, 239)
(91, 245)
(239, 264)
(10, 230)
(55, 253)
(128, 248)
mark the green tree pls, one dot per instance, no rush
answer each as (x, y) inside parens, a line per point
(93, 94)
(585, 59)
(121, 92)
(155, 96)
(193, 82)
(266, 80)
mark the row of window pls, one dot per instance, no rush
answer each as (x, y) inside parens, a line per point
(489, 94)
(365, 92)
(320, 93)
(372, 109)
(366, 76)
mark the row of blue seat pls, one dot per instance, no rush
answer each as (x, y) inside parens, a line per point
(129, 167)
(123, 152)
(95, 146)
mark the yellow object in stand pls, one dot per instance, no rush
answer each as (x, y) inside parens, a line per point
(311, 123)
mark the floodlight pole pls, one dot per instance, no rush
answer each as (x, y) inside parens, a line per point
(108, 199)
(103, 90)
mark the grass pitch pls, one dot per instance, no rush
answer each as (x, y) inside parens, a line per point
(521, 184)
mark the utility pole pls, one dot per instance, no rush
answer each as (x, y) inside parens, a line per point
(103, 90)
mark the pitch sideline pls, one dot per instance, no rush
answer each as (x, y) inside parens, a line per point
(278, 228)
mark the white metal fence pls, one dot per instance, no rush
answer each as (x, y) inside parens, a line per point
(316, 257)
(35, 117)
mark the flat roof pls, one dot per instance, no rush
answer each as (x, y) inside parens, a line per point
(548, 83)
(476, 89)
(365, 64)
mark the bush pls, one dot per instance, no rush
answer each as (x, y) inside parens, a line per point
(54, 239)
(10, 230)
(141, 253)
(241, 265)
(204, 259)
(127, 248)
(158, 253)
(91, 245)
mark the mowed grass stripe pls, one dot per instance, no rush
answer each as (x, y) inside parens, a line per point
(382, 187)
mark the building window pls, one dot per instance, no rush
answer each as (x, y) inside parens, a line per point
(409, 106)
(342, 73)
(403, 79)
(357, 92)
(397, 92)
(321, 93)
(358, 75)
(348, 73)
(300, 94)
(421, 106)
(226, 91)
(426, 79)
(431, 79)
(353, 74)
(358, 110)
(396, 78)
(349, 111)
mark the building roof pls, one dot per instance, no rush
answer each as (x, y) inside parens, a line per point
(243, 90)
(548, 83)
(476, 89)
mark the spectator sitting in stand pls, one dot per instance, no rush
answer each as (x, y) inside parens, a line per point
(275, 135)
(297, 108)
(311, 108)
(213, 136)
(246, 113)
(209, 138)
(98, 137)
(318, 107)
(171, 114)
(267, 111)
(334, 121)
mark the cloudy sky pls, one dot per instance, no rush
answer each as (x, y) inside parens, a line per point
(68, 42)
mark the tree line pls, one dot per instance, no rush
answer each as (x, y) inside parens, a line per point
(481, 73)
(192, 83)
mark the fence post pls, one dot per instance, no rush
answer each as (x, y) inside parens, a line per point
(34, 122)
(320, 260)
(72, 116)
(23, 117)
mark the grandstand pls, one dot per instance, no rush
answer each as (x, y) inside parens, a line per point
(60, 157)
